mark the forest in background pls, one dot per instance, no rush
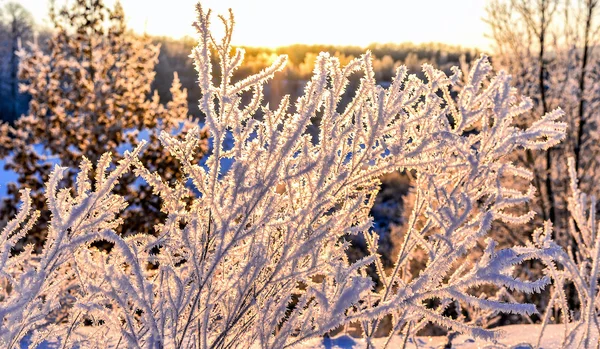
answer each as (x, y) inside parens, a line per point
(18, 29)
(174, 57)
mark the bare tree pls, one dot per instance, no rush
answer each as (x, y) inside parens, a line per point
(548, 46)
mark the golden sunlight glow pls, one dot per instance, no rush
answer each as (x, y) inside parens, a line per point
(274, 23)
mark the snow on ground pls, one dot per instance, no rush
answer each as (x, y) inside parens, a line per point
(9, 176)
(514, 337)
(6, 177)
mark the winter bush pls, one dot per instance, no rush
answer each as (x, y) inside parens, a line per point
(256, 253)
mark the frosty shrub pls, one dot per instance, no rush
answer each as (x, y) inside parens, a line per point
(256, 254)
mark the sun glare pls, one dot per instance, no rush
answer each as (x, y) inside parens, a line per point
(273, 23)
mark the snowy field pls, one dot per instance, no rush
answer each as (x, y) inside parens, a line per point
(515, 337)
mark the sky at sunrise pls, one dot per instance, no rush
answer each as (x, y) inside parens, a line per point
(282, 22)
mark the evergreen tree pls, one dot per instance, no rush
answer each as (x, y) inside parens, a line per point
(91, 94)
